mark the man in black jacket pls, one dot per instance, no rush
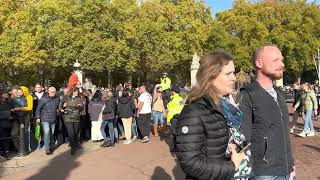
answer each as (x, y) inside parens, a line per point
(47, 112)
(265, 122)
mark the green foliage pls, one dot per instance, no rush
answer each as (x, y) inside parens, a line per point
(42, 39)
(292, 25)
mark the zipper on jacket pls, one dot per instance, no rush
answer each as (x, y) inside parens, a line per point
(266, 149)
(53, 105)
(284, 136)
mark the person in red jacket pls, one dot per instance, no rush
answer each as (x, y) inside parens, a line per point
(73, 81)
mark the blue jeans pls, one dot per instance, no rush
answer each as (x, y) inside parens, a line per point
(157, 118)
(108, 123)
(308, 124)
(28, 136)
(134, 128)
(117, 125)
(48, 130)
(271, 178)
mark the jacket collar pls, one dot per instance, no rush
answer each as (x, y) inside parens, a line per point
(256, 84)
(208, 101)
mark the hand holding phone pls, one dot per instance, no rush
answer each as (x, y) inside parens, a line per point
(245, 148)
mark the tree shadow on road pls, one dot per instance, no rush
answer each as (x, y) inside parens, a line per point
(59, 167)
(2, 160)
(313, 147)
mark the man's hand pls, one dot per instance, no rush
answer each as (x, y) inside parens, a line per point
(315, 112)
(17, 109)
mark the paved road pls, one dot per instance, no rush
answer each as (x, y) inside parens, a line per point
(123, 162)
(135, 161)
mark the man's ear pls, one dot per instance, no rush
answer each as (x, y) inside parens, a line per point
(258, 63)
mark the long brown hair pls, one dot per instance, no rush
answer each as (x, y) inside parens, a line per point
(210, 68)
(70, 92)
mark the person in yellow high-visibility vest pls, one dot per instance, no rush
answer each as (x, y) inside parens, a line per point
(165, 83)
(176, 103)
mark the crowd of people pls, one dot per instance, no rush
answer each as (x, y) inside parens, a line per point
(217, 133)
(79, 113)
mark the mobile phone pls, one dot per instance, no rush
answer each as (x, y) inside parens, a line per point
(245, 148)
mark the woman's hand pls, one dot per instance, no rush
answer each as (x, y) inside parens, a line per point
(236, 158)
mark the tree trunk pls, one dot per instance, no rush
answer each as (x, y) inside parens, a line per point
(109, 79)
(130, 78)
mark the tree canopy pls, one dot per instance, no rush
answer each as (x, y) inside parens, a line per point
(42, 39)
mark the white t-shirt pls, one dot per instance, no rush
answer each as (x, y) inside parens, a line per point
(147, 100)
(273, 93)
(39, 95)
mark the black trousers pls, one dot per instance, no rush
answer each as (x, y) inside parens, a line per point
(23, 119)
(166, 98)
(85, 128)
(5, 143)
(143, 123)
(60, 131)
(73, 133)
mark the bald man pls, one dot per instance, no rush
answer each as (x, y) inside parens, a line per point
(265, 118)
(46, 113)
(144, 113)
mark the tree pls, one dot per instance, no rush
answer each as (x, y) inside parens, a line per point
(292, 26)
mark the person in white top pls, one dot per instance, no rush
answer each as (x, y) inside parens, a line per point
(144, 113)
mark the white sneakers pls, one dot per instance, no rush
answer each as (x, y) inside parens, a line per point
(311, 134)
(145, 139)
(304, 134)
(134, 138)
(127, 142)
(291, 130)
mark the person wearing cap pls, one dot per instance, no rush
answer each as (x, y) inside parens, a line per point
(165, 83)
(176, 103)
(73, 81)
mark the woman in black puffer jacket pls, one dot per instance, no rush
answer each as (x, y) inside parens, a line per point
(125, 111)
(72, 105)
(202, 131)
